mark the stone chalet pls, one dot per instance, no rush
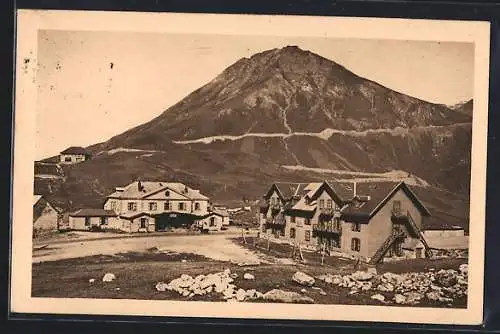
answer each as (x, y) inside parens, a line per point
(151, 206)
(369, 220)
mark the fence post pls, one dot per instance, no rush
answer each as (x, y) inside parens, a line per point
(300, 253)
(323, 253)
(243, 234)
(268, 242)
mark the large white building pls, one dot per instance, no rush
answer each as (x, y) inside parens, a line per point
(152, 206)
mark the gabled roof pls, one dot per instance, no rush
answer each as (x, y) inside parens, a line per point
(93, 213)
(219, 212)
(380, 192)
(36, 198)
(75, 150)
(149, 188)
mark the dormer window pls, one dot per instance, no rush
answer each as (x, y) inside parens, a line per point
(167, 193)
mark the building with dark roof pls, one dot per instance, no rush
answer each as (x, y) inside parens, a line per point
(74, 154)
(368, 220)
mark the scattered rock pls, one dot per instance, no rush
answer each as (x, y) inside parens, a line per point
(281, 296)
(432, 295)
(161, 286)
(109, 277)
(446, 278)
(323, 293)
(378, 297)
(248, 276)
(362, 276)
(92, 280)
(183, 260)
(303, 290)
(234, 275)
(117, 289)
(241, 294)
(303, 279)
(464, 269)
(399, 299)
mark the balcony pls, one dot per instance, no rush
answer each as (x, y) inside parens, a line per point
(328, 227)
(399, 231)
(277, 222)
(330, 212)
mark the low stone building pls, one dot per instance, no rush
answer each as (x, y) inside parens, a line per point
(45, 216)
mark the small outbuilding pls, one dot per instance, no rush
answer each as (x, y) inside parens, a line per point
(45, 216)
(93, 219)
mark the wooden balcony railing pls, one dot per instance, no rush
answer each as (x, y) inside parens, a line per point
(327, 227)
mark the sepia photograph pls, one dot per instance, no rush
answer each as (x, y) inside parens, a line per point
(249, 166)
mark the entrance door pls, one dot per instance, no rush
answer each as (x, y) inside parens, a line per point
(418, 253)
(143, 222)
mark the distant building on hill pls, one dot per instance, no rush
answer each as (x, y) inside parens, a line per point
(74, 155)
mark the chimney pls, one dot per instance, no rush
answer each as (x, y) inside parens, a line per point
(139, 186)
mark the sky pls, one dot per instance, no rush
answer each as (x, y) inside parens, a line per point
(94, 85)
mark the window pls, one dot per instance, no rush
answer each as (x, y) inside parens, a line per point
(356, 227)
(292, 219)
(355, 244)
(321, 203)
(87, 221)
(152, 206)
(181, 206)
(132, 206)
(336, 223)
(282, 232)
(308, 235)
(166, 206)
(308, 221)
(292, 233)
(264, 228)
(67, 159)
(197, 206)
(329, 203)
(212, 221)
(144, 221)
(104, 220)
(396, 207)
(113, 205)
(167, 193)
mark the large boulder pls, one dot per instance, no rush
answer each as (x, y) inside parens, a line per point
(303, 278)
(362, 276)
(281, 296)
(109, 277)
(464, 269)
(248, 276)
(378, 297)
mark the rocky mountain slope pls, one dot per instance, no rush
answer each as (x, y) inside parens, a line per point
(283, 114)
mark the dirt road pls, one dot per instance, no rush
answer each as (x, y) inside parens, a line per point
(216, 246)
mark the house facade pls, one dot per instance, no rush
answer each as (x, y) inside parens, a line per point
(370, 220)
(148, 207)
(73, 155)
(46, 217)
(93, 219)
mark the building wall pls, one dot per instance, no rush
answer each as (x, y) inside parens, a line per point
(74, 158)
(143, 205)
(302, 228)
(218, 220)
(444, 233)
(348, 234)
(134, 225)
(78, 223)
(380, 226)
(45, 217)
